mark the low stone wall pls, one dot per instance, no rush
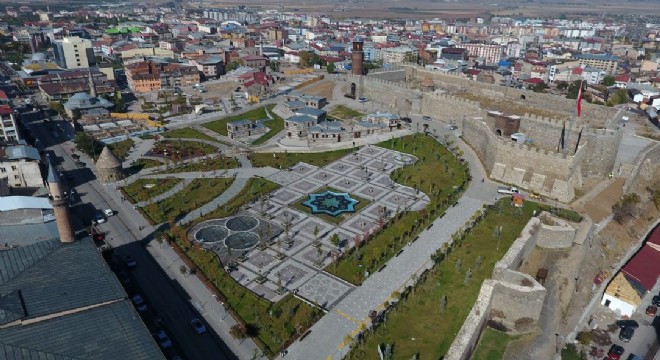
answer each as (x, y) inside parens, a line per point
(511, 298)
(559, 236)
(646, 166)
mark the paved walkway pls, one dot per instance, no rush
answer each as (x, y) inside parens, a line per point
(326, 339)
(221, 200)
(178, 187)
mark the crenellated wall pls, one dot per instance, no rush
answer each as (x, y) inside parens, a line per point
(397, 96)
(445, 107)
(547, 172)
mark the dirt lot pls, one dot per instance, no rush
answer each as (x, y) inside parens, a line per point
(599, 205)
(322, 88)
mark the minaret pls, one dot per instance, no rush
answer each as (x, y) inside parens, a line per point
(92, 86)
(60, 205)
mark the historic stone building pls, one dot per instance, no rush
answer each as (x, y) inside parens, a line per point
(109, 167)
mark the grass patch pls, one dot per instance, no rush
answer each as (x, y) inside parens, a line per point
(136, 191)
(216, 163)
(182, 150)
(298, 205)
(285, 160)
(570, 352)
(438, 173)
(196, 194)
(493, 345)
(419, 315)
(141, 163)
(275, 125)
(275, 325)
(254, 189)
(343, 112)
(186, 133)
(121, 148)
(220, 126)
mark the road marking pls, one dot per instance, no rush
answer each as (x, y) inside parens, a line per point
(345, 315)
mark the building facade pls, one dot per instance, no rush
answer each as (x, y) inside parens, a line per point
(74, 52)
(8, 129)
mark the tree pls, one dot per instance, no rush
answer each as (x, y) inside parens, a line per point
(335, 239)
(183, 270)
(238, 331)
(619, 97)
(87, 144)
(468, 277)
(330, 68)
(608, 80)
(573, 89)
(562, 85)
(119, 102)
(540, 87)
(626, 208)
(457, 264)
(275, 66)
(233, 65)
(443, 304)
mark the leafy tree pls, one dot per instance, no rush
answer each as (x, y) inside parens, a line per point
(562, 85)
(626, 208)
(87, 144)
(233, 65)
(335, 239)
(574, 89)
(540, 87)
(275, 66)
(238, 331)
(330, 68)
(619, 97)
(309, 59)
(608, 80)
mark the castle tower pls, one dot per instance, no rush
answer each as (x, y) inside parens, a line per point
(357, 57)
(108, 167)
(92, 86)
(60, 205)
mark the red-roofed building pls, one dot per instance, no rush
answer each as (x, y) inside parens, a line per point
(621, 81)
(4, 99)
(636, 279)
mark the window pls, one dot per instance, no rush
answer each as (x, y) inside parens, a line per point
(13, 167)
(3, 170)
(16, 177)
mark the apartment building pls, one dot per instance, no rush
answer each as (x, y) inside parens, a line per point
(8, 130)
(74, 52)
(19, 166)
(156, 74)
(491, 53)
(400, 54)
(605, 62)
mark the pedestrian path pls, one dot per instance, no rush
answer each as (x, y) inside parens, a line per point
(178, 187)
(221, 200)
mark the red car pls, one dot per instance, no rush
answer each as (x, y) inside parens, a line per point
(615, 352)
(651, 310)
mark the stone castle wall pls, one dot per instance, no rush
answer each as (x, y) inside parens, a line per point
(511, 298)
(646, 167)
(549, 173)
(447, 108)
(558, 236)
(398, 97)
(458, 83)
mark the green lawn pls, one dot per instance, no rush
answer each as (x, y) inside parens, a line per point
(344, 113)
(298, 205)
(196, 194)
(120, 149)
(145, 163)
(217, 163)
(492, 345)
(290, 316)
(285, 160)
(570, 352)
(255, 188)
(136, 191)
(436, 173)
(275, 125)
(220, 126)
(186, 133)
(418, 324)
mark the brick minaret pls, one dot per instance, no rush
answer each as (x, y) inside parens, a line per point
(60, 205)
(357, 58)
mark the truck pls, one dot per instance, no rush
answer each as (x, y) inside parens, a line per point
(508, 190)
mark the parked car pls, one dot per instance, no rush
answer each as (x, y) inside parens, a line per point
(656, 300)
(130, 262)
(139, 303)
(453, 127)
(651, 310)
(99, 218)
(627, 323)
(615, 352)
(363, 99)
(406, 119)
(426, 118)
(626, 334)
(198, 326)
(163, 340)
(108, 212)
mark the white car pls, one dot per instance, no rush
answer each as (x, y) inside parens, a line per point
(163, 340)
(108, 212)
(99, 218)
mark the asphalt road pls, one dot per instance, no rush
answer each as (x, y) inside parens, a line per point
(164, 297)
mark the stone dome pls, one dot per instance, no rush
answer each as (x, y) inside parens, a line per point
(108, 167)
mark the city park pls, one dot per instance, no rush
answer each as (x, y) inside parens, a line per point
(282, 249)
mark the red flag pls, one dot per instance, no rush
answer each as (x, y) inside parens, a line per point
(579, 101)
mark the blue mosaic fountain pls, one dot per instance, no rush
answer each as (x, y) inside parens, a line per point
(331, 203)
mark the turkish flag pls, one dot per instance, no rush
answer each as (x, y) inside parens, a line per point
(579, 101)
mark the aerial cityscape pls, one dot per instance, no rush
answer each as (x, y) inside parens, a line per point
(330, 180)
